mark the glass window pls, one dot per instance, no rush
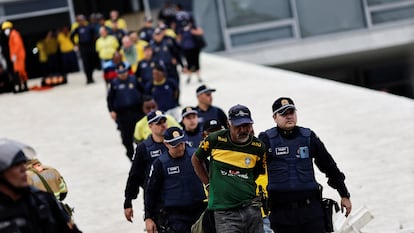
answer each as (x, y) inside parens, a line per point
(19, 7)
(251, 37)
(206, 16)
(392, 15)
(245, 12)
(318, 17)
(379, 2)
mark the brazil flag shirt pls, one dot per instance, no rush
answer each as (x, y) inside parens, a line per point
(233, 169)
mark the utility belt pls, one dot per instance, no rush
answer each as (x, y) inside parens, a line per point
(295, 204)
(185, 209)
(302, 200)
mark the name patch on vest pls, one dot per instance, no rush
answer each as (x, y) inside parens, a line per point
(282, 150)
(173, 170)
(155, 153)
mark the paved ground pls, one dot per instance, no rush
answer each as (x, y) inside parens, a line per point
(369, 133)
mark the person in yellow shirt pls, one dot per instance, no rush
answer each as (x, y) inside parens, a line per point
(106, 45)
(51, 49)
(42, 55)
(114, 17)
(67, 52)
(142, 130)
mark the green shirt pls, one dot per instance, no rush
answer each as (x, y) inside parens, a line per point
(233, 169)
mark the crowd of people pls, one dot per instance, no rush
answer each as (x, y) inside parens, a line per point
(201, 170)
(102, 43)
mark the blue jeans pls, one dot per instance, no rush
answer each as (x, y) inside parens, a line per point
(239, 220)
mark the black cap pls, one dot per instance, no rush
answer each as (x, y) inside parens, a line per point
(122, 68)
(239, 115)
(212, 125)
(204, 89)
(174, 136)
(155, 116)
(282, 104)
(187, 111)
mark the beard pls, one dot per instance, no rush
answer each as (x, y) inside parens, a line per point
(243, 137)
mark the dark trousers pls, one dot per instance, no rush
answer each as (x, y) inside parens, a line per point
(180, 220)
(88, 61)
(298, 218)
(69, 62)
(192, 56)
(126, 124)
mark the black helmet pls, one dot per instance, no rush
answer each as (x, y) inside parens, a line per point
(13, 152)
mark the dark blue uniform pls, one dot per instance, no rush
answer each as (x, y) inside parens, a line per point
(144, 71)
(145, 33)
(174, 183)
(295, 200)
(87, 39)
(125, 98)
(164, 51)
(212, 113)
(165, 94)
(145, 154)
(194, 138)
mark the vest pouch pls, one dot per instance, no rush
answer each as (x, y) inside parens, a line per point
(279, 171)
(304, 169)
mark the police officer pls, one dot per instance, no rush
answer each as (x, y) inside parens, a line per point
(295, 200)
(145, 154)
(87, 37)
(22, 207)
(166, 50)
(173, 183)
(125, 105)
(192, 129)
(206, 109)
(145, 66)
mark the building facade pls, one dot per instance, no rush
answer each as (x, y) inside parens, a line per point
(364, 42)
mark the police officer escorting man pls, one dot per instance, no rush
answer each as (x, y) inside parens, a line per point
(145, 154)
(173, 183)
(294, 194)
(24, 208)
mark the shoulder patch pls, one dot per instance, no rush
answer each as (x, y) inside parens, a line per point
(205, 145)
(221, 139)
(257, 144)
